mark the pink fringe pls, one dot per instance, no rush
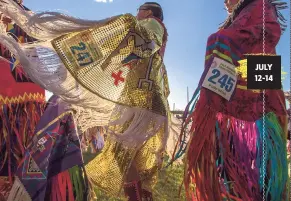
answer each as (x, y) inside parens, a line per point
(240, 164)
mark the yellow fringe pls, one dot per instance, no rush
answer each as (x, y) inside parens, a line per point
(19, 99)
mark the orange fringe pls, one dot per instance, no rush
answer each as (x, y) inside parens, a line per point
(17, 125)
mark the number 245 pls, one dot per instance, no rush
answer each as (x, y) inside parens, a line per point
(225, 81)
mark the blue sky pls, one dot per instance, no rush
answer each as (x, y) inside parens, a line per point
(189, 23)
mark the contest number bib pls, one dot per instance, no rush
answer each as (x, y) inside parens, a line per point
(79, 50)
(221, 78)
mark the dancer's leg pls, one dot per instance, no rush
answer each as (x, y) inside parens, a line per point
(132, 186)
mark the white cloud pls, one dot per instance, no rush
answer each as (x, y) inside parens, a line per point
(103, 1)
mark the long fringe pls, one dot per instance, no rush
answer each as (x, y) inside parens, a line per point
(181, 145)
(78, 182)
(201, 167)
(62, 187)
(56, 78)
(237, 153)
(69, 185)
(239, 158)
(143, 124)
(46, 25)
(274, 162)
(17, 123)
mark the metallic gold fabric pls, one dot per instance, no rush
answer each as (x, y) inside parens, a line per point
(155, 27)
(119, 62)
(149, 159)
(242, 69)
(107, 170)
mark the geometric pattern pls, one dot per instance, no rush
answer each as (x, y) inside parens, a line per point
(39, 97)
(31, 170)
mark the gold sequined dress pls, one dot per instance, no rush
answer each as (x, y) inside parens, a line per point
(113, 75)
(145, 87)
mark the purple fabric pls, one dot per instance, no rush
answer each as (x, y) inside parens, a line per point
(53, 151)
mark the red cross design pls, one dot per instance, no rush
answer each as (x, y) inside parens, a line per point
(117, 78)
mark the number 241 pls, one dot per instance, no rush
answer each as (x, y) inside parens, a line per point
(225, 81)
(82, 55)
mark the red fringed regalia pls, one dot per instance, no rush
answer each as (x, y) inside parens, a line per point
(21, 104)
(225, 157)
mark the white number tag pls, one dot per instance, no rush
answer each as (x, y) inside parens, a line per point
(221, 78)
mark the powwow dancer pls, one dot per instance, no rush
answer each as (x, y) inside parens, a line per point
(21, 104)
(110, 72)
(224, 158)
